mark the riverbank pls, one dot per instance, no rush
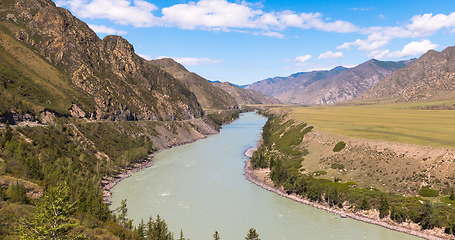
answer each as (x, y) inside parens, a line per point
(260, 178)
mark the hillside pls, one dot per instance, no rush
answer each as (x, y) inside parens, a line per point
(245, 96)
(327, 87)
(52, 61)
(207, 95)
(211, 94)
(431, 76)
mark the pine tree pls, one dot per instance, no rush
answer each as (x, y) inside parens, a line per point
(51, 219)
(252, 235)
(364, 205)
(216, 236)
(181, 235)
(383, 207)
(16, 192)
(122, 218)
(426, 217)
(140, 230)
(157, 230)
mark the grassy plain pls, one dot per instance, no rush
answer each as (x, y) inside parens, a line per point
(405, 123)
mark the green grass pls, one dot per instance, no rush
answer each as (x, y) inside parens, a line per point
(403, 123)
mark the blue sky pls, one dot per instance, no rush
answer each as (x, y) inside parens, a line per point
(246, 41)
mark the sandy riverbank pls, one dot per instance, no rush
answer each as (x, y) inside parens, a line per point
(261, 179)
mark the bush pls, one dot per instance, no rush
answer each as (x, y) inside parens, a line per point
(428, 192)
(339, 146)
(337, 166)
(16, 193)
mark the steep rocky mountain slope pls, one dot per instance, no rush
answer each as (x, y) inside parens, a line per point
(430, 76)
(327, 87)
(50, 60)
(213, 95)
(207, 95)
(245, 96)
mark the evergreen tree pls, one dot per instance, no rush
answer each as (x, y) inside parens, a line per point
(181, 236)
(157, 230)
(51, 219)
(216, 236)
(140, 230)
(122, 218)
(365, 205)
(6, 136)
(16, 192)
(252, 235)
(452, 195)
(383, 207)
(426, 217)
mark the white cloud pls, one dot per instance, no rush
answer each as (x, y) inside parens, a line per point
(330, 54)
(106, 30)
(428, 23)
(302, 59)
(221, 15)
(192, 61)
(270, 34)
(418, 26)
(413, 48)
(137, 13)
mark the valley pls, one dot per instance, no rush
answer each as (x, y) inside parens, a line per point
(101, 141)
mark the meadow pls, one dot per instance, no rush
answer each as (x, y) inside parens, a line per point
(415, 123)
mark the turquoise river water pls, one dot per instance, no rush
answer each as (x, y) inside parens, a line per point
(200, 188)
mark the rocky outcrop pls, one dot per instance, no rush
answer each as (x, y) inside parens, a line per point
(327, 87)
(430, 76)
(108, 80)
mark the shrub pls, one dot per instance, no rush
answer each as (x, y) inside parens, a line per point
(339, 146)
(428, 192)
(16, 193)
(337, 166)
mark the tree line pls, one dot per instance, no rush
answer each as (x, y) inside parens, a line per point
(282, 153)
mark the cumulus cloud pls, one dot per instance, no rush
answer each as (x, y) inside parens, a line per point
(220, 15)
(302, 59)
(137, 13)
(330, 54)
(192, 61)
(413, 48)
(106, 30)
(418, 26)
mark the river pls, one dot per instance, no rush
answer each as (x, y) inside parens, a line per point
(200, 188)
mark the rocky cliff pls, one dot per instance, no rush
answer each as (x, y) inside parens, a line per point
(51, 60)
(430, 76)
(327, 87)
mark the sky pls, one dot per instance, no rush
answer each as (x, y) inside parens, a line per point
(246, 41)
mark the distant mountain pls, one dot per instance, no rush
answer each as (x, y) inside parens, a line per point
(209, 96)
(327, 87)
(212, 94)
(52, 61)
(245, 96)
(430, 76)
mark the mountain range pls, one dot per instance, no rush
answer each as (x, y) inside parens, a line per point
(51, 62)
(328, 86)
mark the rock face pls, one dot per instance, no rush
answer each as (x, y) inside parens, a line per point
(245, 96)
(430, 76)
(327, 87)
(100, 79)
(212, 95)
